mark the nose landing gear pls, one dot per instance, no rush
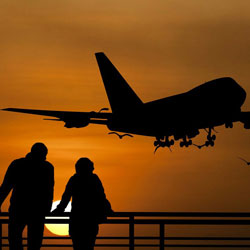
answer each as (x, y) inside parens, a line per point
(186, 143)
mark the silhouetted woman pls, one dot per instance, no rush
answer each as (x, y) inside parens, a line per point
(89, 205)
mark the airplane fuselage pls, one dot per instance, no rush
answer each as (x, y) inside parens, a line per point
(213, 103)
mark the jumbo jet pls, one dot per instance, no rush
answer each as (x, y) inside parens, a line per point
(179, 117)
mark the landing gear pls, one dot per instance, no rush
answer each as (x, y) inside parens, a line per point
(163, 143)
(211, 143)
(185, 143)
(210, 138)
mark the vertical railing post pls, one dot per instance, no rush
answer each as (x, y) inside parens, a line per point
(131, 233)
(162, 236)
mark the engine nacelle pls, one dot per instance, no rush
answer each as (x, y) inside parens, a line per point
(77, 123)
(193, 133)
(245, 119)
(189, 134)
(247, 125)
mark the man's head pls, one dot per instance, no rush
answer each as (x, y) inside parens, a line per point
(39, 151)
(84, 166)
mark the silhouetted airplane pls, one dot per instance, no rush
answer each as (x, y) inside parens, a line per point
(247, 162)
(214, 103)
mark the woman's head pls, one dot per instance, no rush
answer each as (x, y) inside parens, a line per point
(84, 166)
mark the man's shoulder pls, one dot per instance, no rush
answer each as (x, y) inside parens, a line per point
(18, 161)
(48, 165)
(16, 164)
(73, 178)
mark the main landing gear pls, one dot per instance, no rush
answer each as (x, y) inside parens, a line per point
(210, 138)
(160, 142)
(186, 142)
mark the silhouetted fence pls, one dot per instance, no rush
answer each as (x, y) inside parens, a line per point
(161, 219)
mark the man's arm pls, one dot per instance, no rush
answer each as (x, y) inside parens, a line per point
(8, 183)
(50, 183)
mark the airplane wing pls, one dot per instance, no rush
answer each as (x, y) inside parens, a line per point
(72, 119)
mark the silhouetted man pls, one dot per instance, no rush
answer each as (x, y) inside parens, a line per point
(89, 205)
(31, 180)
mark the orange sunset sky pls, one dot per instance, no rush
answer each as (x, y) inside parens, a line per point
(161, 48)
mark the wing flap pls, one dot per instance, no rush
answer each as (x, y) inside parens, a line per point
(72, 119)
(61, 114)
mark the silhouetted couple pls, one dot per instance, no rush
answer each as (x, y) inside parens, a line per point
(31, 180)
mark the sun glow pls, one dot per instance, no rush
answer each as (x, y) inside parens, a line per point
(59, 229)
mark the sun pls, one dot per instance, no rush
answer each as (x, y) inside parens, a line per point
(59, 229)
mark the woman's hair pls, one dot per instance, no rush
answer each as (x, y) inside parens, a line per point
(84, 165)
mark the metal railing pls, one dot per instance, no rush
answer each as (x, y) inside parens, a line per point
(161, 219)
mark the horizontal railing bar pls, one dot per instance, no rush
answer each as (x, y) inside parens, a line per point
(183, 214)
(187, 246)
(193, 222)
(166, 214)
(201, 245)
(150, 238)
(159, 221)
(45, 238)
(179, 238)
(150, 245)
(167, 221)
(65, 221)
(209, 238)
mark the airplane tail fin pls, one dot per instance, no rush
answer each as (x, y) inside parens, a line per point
(120, 94)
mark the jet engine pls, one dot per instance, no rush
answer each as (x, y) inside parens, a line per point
(247, 125)
(245, 119)
(192, 133)
(189, 134)
(77, 123)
